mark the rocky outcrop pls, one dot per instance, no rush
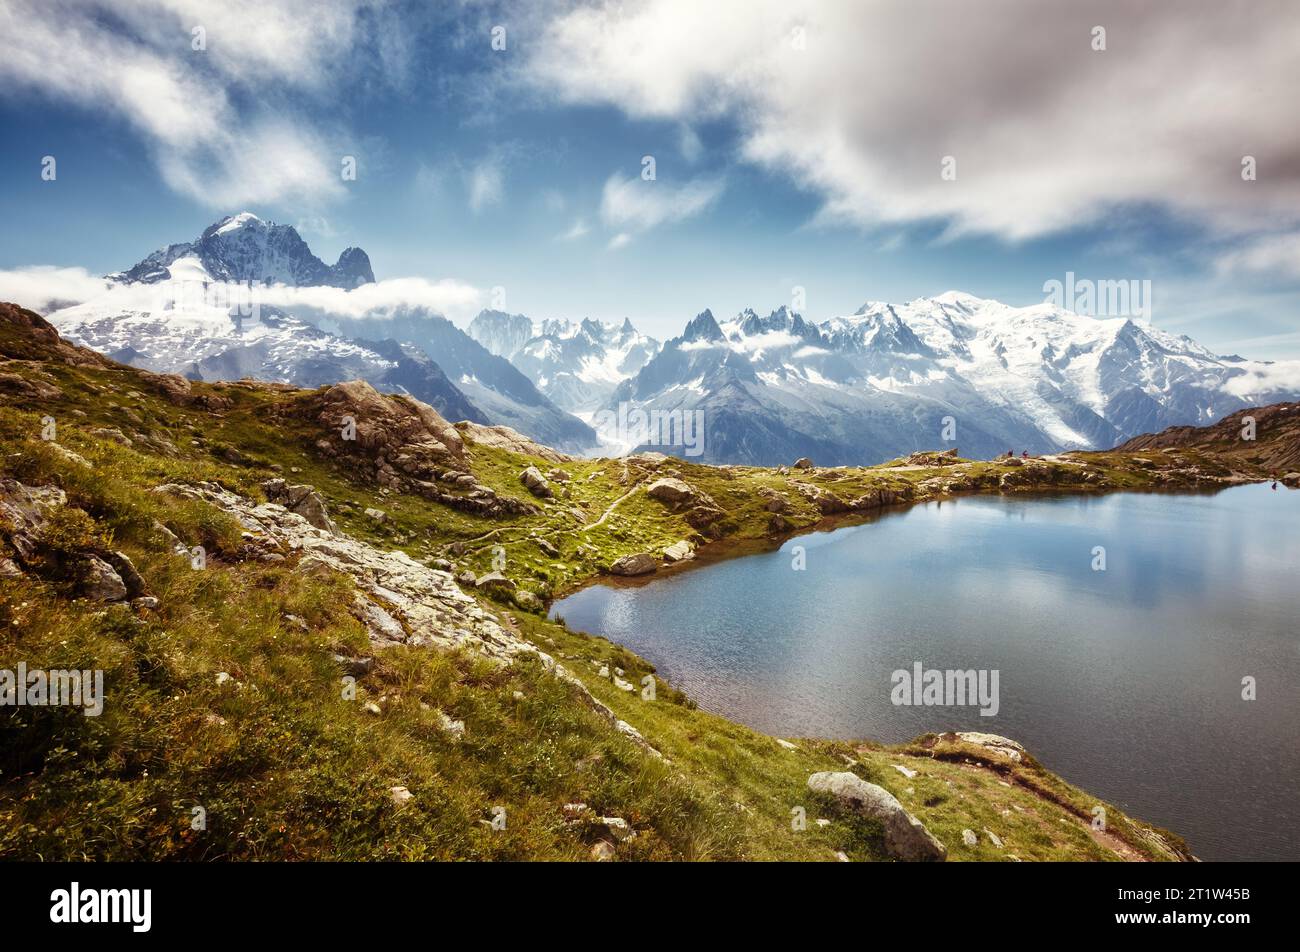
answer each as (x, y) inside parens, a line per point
(1003, 746)
(673, 492)
(504, 438)
(536, 483)
(933, 458)
(98, 581)
(906, 838)
(402, 444)
(396, 436)
(827, 503)
(302, 499)
(24, 514)
(681, 551)
(642, 563)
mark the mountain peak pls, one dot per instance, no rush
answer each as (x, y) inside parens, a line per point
(702, 327)
(246, 249)
(234, 222)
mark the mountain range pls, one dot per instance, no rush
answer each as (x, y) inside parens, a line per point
(975, 373)
(882, 382)
(578, 365)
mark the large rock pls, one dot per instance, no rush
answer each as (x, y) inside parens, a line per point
(672, 491)
(1005, 746)
(98, 581)
(906, 838)
(536, 483)
(24, 513)
(641, 563)
(803, 462)
(396, 438)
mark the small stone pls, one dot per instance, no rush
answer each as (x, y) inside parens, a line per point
(993, 837)
(453, 727)
(603, 852)
(786, 744)
(400, 795)
(909, 774)
(575, 811)
(969, 838)
(842, 856)
(618, 827)
(378, 515)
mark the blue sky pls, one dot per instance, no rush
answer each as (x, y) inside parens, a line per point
(795, 144)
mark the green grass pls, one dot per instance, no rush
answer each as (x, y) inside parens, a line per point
(286, 767)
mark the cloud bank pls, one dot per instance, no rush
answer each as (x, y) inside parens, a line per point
(861, 102)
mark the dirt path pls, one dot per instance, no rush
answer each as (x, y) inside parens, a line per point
(612, 506)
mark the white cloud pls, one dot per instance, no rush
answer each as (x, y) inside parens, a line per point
(1265, 378)
(45, 288)
(621, 240)
(1047, 133)
(211, 117)
(636, 205)
(1277, 254)
(451, 298)
(42, 288)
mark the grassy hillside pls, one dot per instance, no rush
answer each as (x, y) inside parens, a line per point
(225, 685)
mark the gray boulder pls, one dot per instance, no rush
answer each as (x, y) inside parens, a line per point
(641, 563)
(536, 483)
(672, 491)
(99, 582)
(906, 838)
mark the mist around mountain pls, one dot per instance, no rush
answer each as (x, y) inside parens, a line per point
(195, 308)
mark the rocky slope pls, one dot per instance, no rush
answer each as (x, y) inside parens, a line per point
(333, 640)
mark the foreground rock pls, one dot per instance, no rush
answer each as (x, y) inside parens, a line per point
(906, 838)
(672, 491)
(536, 483)
(641, 563)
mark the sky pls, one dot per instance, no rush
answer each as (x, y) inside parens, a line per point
(815, 154)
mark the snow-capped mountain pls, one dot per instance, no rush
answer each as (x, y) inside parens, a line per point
(244, 248)
(194, 308)
(577, 365)
(883, 381)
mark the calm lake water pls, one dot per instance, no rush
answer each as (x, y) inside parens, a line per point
(1127, 681)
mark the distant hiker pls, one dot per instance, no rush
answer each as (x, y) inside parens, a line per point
(1024, 454)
